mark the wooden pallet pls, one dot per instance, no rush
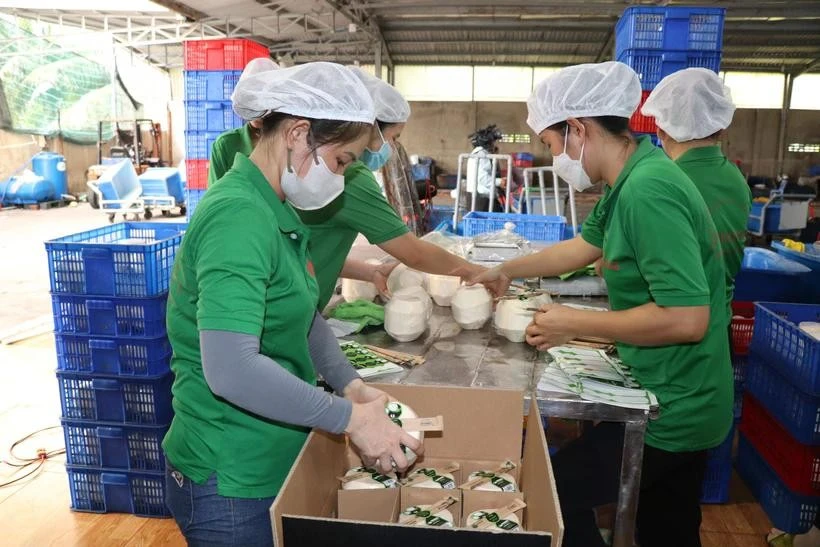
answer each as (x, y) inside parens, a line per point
(45, 205)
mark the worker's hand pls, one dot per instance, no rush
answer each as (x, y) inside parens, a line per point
(598, 265)
(380, 275)
(551, 326)
(494, 280)
(358, 391)
(378, 439)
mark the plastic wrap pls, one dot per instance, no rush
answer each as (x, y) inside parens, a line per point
(400, 190)
(499, 246)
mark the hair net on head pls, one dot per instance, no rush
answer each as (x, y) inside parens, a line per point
(588, 90)
(691, 104)
(391, 107)
(255, 66)
(322, 91)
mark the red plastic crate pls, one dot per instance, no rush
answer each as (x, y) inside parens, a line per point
(222, 54)
(640, 123)
(743, 325)
(197, 173)
(797, 465)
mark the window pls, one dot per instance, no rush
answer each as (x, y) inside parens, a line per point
(435, 83)
(756, 90)
(502, 83)
(804, 148)
(806, 92)
(515, 138)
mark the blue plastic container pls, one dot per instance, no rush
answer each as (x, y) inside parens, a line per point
(771, 224)
(778, 340)
(210, 85)
(161, 182)
(718, 472)
(119, 182)
(439, 214)
(810, 259)
(111, 491)
(52, 167)
(653, 66)
(198, 144)
(120, 356)
(126, 259)
(211, 116)
(796, 411)
(191, 201)
(19, 191)
(670, 28)
(121, 317)
(134, 401)
(114, 446)
(532, 227)
(767, 276)
(788, 511)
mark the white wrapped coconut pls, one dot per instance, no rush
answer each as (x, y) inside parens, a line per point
(434, 478)
(440, 519)
(407, 314)
(371, 479)
(512, 317)
(443, 288)
(403, 277)
(499, 482)
(510, 523)
(397, 412)
(354, 289)
(472, 307)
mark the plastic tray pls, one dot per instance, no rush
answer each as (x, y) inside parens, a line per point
(135, 401)
(198, 144)
(653, 66)
(719, 472)
(205, 116)
(197, 173)
(122, 317)
(640, 123)
(798, 412)
(114, 446)
(210, 85)
(788, 511)
(162, 181)
(743, 323)
(191, 201)
(124, 259)
(682, 28)
(780, 342)
(222, 54)
(797, 465)
(532, 227)
(104, 491)
(110, 356)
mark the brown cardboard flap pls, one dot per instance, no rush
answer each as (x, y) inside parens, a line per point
(476, 501)
(471, 466)
(538, 481)
(470, 414)
(369, 505)
(439, 464)
(426, 496)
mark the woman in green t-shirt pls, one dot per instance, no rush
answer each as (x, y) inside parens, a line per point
(662, 264)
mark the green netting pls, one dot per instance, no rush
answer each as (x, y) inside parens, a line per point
(52, 90)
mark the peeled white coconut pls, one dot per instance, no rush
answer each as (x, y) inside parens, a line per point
(472, 307)
(402, 277)
(503, 482)
(353, 289)
(407, 314)
(435, 479)
(443, 288)
(512, 317)
(442, 519)
(509, 523)
(397, 412)
(811, 328)
(374, 481)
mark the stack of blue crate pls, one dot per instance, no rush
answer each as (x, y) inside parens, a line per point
(109, 289)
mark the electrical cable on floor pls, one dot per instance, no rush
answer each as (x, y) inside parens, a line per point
(39, 460)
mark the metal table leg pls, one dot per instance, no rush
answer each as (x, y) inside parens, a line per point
(627, 509)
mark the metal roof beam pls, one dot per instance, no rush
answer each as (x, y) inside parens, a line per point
(355, 12)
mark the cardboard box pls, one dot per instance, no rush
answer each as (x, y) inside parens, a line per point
(312, 510)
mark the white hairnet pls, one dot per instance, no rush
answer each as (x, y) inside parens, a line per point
(322, 91)
(255, 66)
(391, 107)
(691, 104)
(588, 90)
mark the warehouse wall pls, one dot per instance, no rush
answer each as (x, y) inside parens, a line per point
(440, 129)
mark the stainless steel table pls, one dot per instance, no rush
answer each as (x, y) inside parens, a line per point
(483, 359)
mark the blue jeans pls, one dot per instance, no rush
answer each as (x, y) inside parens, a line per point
(208, 519)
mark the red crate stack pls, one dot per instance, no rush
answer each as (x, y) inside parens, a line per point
(640, 123)
(222, 54)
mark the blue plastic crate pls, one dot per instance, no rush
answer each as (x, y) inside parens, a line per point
(718, 471)
(811, 285)
(114, 446)
(210, 85)
(778, 340)
(788, 511)
(532, 227)
(738, 408)
(670, 28)
(124, 259)
(104, 491)
(439, 214)
(161, 182)
(796, 411)
(769, 285)
(653, 66)
(194, 196)
(210, 116)
(652, 137)
(739, 365)
(771, 223)
(198, 144)
(122, 317)
(135, 401)
(120, 356)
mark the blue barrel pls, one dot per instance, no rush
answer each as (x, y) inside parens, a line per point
(17, 191)
(52, 167)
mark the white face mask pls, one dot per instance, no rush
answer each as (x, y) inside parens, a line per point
(318, 188)
(571, 170)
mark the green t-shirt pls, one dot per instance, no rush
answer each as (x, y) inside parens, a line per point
(361, 209)
(660, 245)
(243, 267)
(224, 149)
(729, 199)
